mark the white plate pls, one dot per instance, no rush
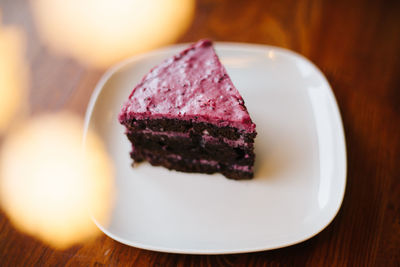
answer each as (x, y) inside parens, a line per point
(300, 170)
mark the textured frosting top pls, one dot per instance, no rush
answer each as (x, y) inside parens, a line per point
(190, 85)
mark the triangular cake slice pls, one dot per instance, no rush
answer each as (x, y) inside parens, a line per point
(187, 115)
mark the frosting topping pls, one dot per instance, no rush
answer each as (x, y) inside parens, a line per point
(191, 85)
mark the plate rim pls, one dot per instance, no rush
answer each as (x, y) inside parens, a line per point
(340, 135)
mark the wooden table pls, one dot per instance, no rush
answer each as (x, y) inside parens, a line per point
(355, 43)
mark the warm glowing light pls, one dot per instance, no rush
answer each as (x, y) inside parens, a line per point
(101, 32)
(13, 74)
(271, 54)
(48, 185)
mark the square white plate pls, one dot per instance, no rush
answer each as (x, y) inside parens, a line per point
(300, 170)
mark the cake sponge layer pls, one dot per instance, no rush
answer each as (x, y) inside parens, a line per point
(193, 145)
(176, 162)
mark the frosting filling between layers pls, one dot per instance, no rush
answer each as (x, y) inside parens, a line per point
(205, 137)
(197, 128)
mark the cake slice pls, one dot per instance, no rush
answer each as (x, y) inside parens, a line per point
(187, 115)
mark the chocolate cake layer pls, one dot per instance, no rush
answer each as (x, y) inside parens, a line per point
(194, 145)
(199, 128)
(178, 163)
(185, 145)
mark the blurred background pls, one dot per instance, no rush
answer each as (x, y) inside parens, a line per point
(53, 52)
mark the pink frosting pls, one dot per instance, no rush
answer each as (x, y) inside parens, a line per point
(192, 85)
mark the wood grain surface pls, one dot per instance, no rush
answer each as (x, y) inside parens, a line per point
(355, 43)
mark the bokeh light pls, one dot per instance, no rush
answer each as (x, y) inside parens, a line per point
(13, 75)
(102, 32)
(50, 185)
